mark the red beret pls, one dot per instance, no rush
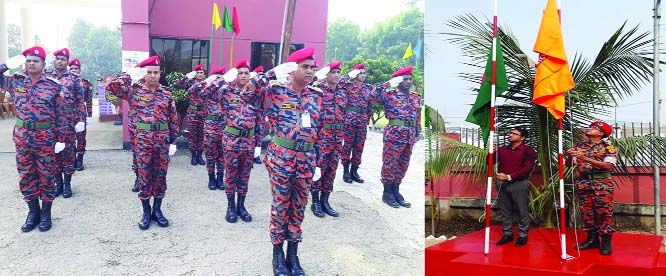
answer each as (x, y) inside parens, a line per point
(35, 51)
(605, 128)
(359, 66)
(218, 71)
(198, 67)
(75, 62)
(62, 52)
(242, 63)
(301, 55)
(259, 69)
(404, 71)
(316, 64)
(151, 61)
(335, 65)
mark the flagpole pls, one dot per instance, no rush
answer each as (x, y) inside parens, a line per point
(560, 161)
(210, 48)
(231, 54)
(491, 137)
(221, 48)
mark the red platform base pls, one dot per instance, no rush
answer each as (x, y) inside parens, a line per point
(633, 254)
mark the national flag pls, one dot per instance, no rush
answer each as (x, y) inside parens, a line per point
(553, 76)
(227, 23)
(480, 112)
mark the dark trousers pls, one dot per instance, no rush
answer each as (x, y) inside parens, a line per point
(515, 197)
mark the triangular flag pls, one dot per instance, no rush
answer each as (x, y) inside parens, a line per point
(216, 17)
(417, 49)
(227, 24)
(408, 52)
(234, 20)
(553, 76)
(480, 112)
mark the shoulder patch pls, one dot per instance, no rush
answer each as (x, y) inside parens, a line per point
(314, 88)
(53, 80)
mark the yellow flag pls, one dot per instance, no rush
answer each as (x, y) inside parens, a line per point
(408, 52)
(553, 76)
(216, 17)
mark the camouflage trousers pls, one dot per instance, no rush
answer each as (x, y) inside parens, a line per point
(595, 198)
(35, 163)
(237, 169)
(290, 197)
(81, 142)
(395, 161)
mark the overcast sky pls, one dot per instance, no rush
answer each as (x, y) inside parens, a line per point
(586, 25)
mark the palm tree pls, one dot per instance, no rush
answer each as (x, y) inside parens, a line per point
(622, 66)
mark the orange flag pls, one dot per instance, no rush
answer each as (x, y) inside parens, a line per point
(553, 77)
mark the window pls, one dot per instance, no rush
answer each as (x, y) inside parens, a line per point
(267, 54)
(179, 54)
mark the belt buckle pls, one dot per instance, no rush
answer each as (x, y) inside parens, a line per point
(299, 146)
(29, 125)
(243, 132)
(154, 127)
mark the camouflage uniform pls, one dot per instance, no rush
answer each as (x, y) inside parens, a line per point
(213, 129)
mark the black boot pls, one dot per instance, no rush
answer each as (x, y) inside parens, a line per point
(212, 182)
(231, 209)
(316, 205)
(240, 209)
(293, 264)
(398, 197)
(67, 189)
(136, 183)
(144, 223)
(158, 216)
(58, 182)
(32, 219)
(389, 197)
(257, 160)
(220, 181)
(200, 159)
(325, 206)
(45, 216)
(592, 241)
(354, 174)
(194, 160)
(279, 265)
(605, 248)
(79, 162)
(346, 177)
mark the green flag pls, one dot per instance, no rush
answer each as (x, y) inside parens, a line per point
(480, 112)
(227, 24)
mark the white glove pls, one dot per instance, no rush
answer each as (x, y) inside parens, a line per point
(137, 73)
(210, 79)
(283, 70)
(172, 149)
(59, 147)
(80, 126)
(317, 174)
(50, 58)
(395, 81)
(230, 75)
(15, 62)
(88, 120)
(321, 73)
(354, 73)
(254, 76)
(257, 152)
(191, 75)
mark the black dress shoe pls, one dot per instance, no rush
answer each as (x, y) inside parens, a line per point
(521, 241)
(504, 240)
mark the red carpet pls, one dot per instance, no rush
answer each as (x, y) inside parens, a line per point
(633, 254)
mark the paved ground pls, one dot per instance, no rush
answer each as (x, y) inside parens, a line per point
(95, 231)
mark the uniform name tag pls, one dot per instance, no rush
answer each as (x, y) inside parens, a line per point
(143, 99)
(20, 90)
(305, 120)
(288, 106)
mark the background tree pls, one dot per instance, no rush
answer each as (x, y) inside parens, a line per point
(98, 48)
(342, 40)
(14, 40)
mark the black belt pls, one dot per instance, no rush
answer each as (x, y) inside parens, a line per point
(592, 176)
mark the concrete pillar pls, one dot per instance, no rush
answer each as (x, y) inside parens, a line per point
(4, 46)
(27, 33)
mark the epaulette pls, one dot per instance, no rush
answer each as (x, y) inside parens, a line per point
(609, 146)
(53, 80)
(314, 88)
(20, 74)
